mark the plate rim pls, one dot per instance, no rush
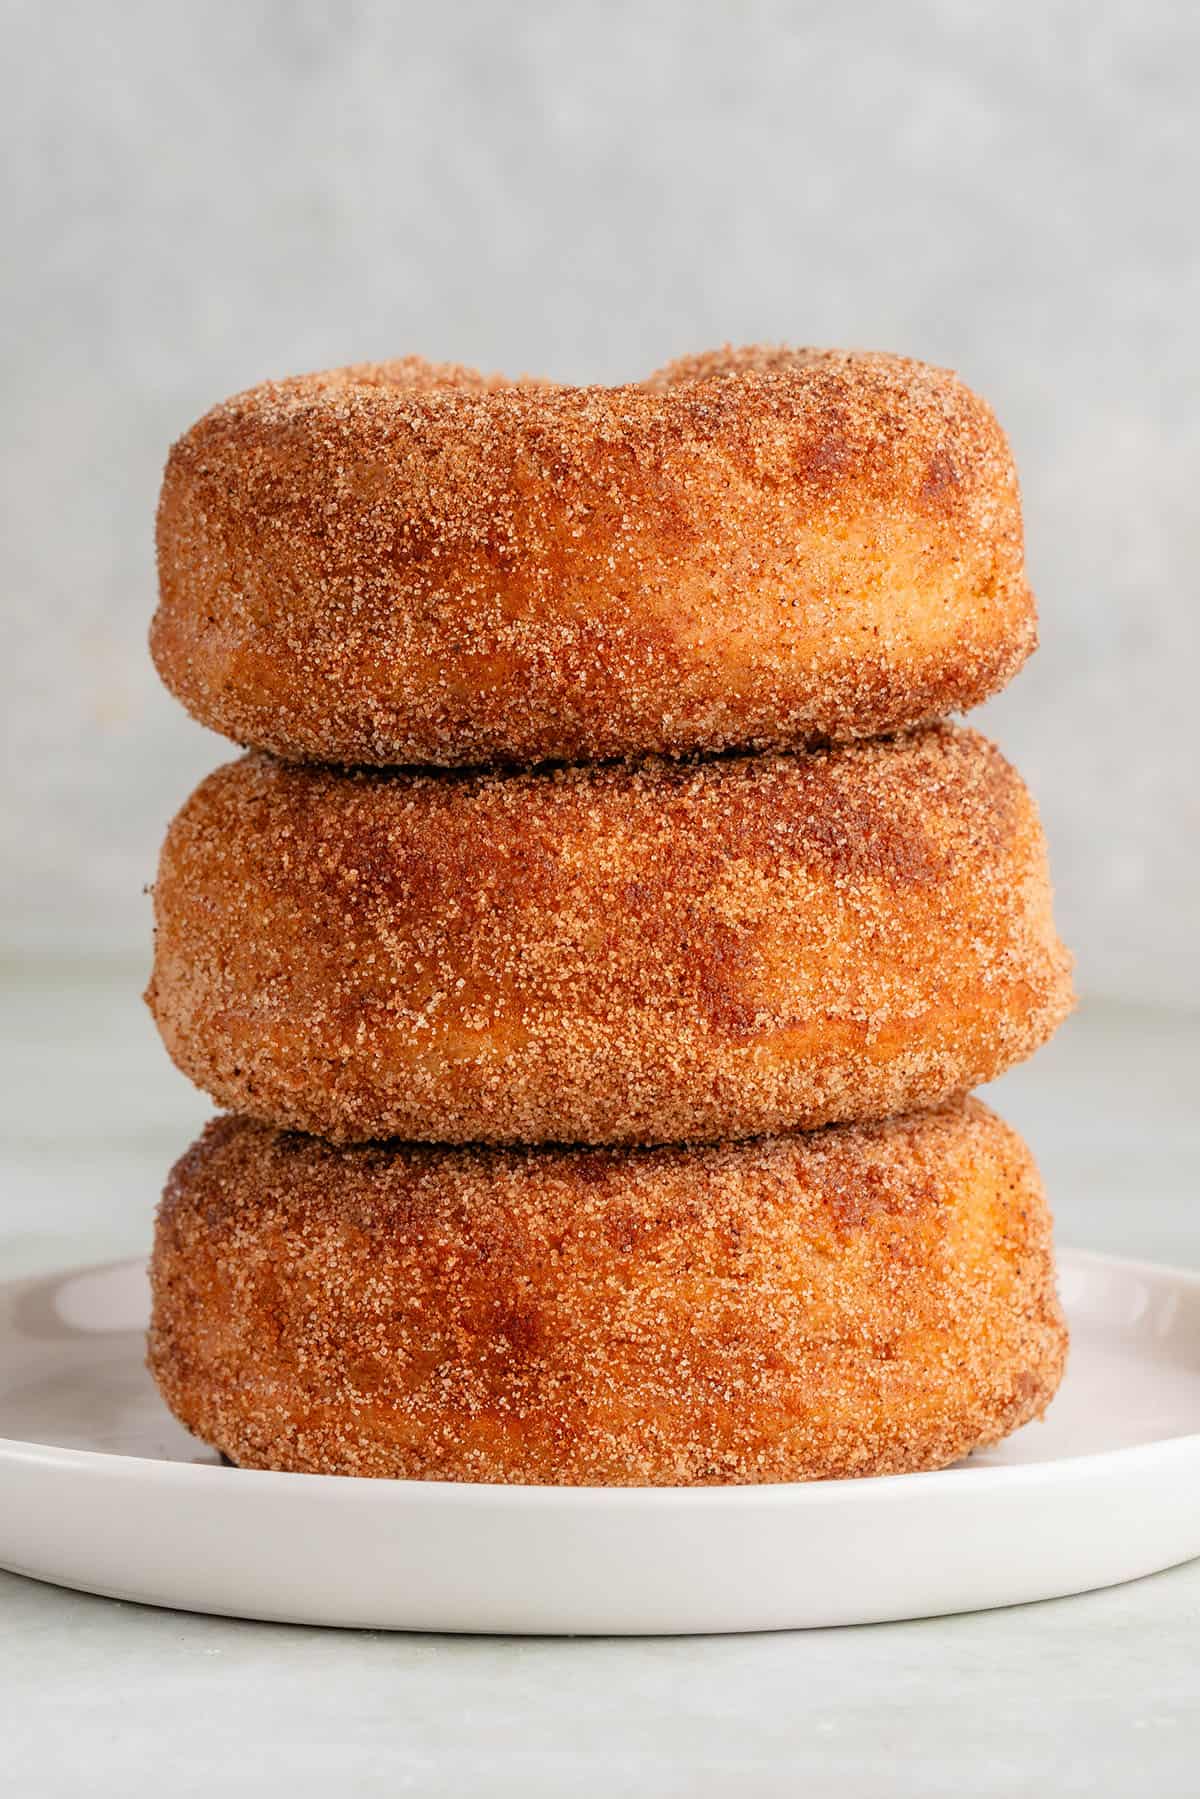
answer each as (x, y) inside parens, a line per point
(351, 1489)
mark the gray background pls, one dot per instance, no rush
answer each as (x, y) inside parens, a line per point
(200, 195)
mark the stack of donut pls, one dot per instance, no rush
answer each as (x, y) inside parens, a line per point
(598, 941)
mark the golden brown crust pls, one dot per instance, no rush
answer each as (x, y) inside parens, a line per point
(657, 953)
(412, 563)
(867, 1300)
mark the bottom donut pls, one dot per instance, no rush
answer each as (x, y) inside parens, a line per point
(862, 1300)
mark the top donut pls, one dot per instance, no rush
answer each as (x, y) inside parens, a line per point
(409, 562)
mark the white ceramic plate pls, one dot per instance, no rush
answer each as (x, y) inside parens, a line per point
(100, 1489)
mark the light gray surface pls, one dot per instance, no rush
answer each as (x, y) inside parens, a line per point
(202, 196)
(1097, 1695)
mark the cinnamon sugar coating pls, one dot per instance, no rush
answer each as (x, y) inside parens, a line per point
(873, 1299)
(412, 563)
(629, 954)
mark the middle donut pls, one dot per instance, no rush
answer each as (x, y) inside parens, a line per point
(622, 954)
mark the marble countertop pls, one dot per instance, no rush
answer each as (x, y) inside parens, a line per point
(1097, 1695)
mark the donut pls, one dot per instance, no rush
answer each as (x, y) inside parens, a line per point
(659, 952)
(405, 563)
(871, 1299)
